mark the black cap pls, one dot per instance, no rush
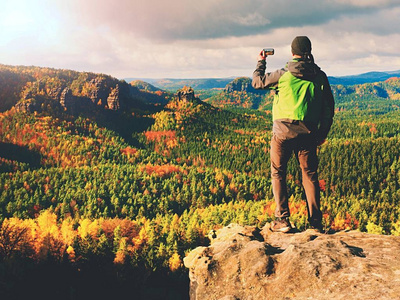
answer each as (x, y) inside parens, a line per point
(301, 45)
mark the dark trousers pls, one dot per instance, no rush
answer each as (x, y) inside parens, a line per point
(305, 149)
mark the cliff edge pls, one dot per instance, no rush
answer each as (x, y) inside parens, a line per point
(246, 263)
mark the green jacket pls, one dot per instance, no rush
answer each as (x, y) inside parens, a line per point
(303, 102)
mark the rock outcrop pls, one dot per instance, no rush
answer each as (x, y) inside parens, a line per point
(98, 91)
(246, 263)
(55, 93)
(26, 106)
(186, 94)
(113, 100)
(67, 100)
(241, 84)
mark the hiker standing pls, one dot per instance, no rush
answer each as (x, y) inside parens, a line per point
(302, 114)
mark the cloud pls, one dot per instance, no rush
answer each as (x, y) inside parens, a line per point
(190, 20)
(252, 19)
(367, 3)
(208, 38)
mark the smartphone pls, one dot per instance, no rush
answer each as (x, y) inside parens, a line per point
(268, 51)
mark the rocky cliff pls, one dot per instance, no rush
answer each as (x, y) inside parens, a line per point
(247, 263)
(67, 100)
(36, 89)
(98, 92)
(240, 84)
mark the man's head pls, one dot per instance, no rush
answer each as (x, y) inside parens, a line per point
(301, 46)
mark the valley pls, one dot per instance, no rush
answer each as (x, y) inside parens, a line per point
(104, 180)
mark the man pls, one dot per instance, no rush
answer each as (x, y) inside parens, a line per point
(302, 114)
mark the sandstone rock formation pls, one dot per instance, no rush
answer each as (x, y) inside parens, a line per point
(55, 93)
(113, 100)
(186, 94)
(246, 263)
(242, 84)
(98, 91)
(67, 100)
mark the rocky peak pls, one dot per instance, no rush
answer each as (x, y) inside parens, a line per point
(186, 94)
(248, 263)
(113, 100)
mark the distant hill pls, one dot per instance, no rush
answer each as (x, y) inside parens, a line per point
(388, 89)
(148, 93)
(369, 77)
(144, 86)
(240, 93)
(220, 83)
(197, 84)
(242, 84)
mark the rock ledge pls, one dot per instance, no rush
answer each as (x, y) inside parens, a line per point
(248, 263)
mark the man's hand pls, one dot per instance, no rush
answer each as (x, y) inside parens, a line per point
(262, 55)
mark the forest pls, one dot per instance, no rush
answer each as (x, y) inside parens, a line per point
(112, 200)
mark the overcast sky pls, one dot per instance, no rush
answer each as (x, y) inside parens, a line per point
(197, 39)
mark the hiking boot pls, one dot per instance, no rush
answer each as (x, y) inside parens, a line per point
(318, 228)
(281, 225)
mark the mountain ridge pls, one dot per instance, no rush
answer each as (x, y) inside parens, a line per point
(240, 93)
(368, 77)
(220, 83)
(28, 87)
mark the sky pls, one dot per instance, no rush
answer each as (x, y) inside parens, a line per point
(198, 39)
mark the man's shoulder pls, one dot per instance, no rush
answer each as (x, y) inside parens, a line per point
(320, 72)
(281, 71)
